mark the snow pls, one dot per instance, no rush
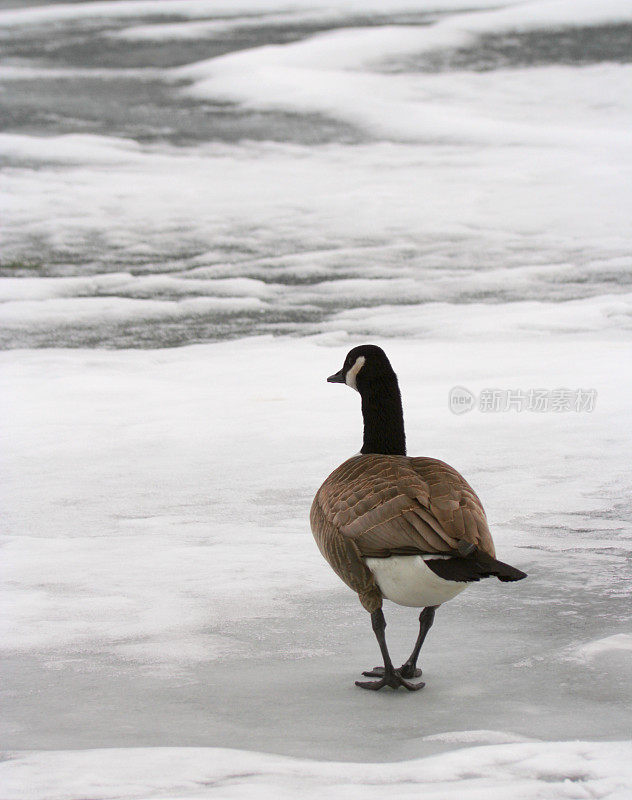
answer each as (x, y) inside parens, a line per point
(619, 642)
(72, 148)
(602, 314)
(17, 72)
(125, 282)
(567, 770)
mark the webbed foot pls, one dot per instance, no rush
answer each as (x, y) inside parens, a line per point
(406, 671)
(392, 678)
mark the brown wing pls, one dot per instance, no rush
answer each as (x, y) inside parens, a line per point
(454, 504)
(345, 558)
(390, 505)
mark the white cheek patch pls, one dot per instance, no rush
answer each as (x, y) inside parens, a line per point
(350, 377)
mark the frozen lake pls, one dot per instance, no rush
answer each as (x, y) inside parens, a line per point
(205, 205)
(184, 181)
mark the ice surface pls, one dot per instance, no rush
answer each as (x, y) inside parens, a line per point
(159, 568)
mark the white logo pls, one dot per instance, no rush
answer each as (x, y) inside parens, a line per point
(460, 400)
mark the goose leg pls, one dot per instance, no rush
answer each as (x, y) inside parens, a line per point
(389, 675)
(426, 618)
(409, 668)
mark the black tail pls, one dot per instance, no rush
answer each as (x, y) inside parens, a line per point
(504, 572)
(473, 567)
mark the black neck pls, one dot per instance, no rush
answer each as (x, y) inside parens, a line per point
(383, 419)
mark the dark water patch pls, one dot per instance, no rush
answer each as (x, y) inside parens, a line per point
(150, 334)
(85, 49)
(94, 258)
(151, 111)
(22, 268)
(567, 46)
(95, 43)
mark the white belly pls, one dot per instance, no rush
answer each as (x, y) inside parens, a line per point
(407, 581)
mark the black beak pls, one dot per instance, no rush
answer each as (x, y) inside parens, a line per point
(339, 377)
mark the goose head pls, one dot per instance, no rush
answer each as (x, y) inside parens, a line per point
(365, 366)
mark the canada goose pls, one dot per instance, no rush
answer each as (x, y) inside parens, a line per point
(410, 530)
